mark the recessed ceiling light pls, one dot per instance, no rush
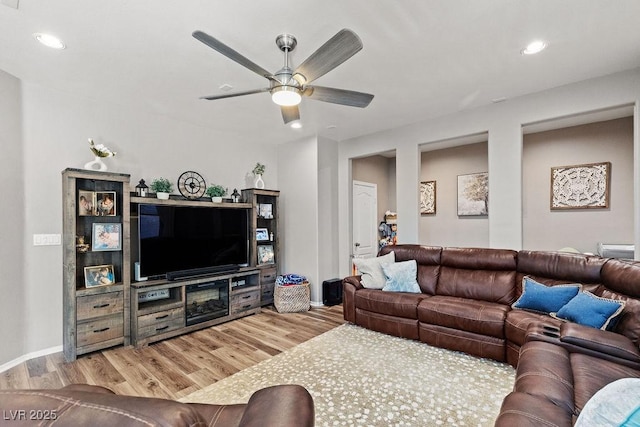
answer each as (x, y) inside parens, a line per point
(49, 40)
(296, 124)
(534, 47)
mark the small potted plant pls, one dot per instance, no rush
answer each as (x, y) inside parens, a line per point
(216, 192)
(258, 171)
(162, 187)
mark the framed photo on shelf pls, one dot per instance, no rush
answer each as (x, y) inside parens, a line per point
(265, 210)
(86, 203)
(106, 237)
(265, 254)
(99, 275)
(262, 234)
(105, 204)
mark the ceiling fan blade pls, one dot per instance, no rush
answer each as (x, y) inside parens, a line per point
(217, 45)
(338, 96)
(231, 95)
(334, 52)
(290, 114)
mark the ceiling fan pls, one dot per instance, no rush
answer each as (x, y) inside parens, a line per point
(288, 86)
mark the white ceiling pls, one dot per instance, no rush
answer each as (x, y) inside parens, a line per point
(421, 58)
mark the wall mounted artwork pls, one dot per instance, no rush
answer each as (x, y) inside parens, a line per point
(580, 186)
(427, 197)
(473, 194)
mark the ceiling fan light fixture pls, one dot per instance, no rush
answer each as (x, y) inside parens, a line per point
(286, 96)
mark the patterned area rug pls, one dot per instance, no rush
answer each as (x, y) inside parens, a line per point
(360, 377)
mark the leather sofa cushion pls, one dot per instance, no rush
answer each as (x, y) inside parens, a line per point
(517, 322)
(620, 281)
(544, 370)
(399, 304)
(480, 274)
(560, 266)
(481, 317)
(465, 341)
(590, 374)
(524, 410)
(74, 408)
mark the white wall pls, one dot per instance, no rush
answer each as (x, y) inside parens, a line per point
(503, 122)
(55, 131)
(328, 267)
(13, 319)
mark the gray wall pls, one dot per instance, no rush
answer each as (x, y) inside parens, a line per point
(13, 321)
(379, 170)
(544, 229)
(503, 122)
(446, 228)
(55, 127)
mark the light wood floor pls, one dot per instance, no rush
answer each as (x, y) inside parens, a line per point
(179, 366)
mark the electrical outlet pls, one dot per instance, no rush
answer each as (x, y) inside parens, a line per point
(47, 239)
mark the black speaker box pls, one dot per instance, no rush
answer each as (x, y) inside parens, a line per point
(332, 292)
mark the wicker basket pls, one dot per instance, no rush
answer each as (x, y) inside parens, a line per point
(292, 298)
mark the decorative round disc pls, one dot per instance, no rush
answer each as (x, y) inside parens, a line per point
(191, 185)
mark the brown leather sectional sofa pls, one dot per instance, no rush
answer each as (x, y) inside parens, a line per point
(88, 405)
(465, 305)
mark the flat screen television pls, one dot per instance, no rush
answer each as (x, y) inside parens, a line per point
(175, 240)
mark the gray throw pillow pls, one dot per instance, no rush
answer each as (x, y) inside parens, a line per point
(371, 270)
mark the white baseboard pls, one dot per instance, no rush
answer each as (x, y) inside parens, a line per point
(29, 356)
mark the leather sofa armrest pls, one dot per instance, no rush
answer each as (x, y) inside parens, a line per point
(605, 342)
(353, 280)
(350, 285)
(279, 406)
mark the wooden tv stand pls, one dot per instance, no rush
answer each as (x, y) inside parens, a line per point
(167, 310)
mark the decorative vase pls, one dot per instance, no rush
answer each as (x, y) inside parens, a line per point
(96, 165)
(258, 183)
(216, 199)
(162, 196)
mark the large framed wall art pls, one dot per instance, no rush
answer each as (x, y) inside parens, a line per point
(427, 197)
(580, 186)
(473, 194)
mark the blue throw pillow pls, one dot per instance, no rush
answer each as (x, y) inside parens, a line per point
(401, 277)
(544, 299)
(590, 310)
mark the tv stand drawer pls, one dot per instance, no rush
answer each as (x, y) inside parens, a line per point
(245, 301)
(92, 306)
(160, 322)
(104, 329)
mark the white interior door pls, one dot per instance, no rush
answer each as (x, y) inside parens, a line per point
(365, 222)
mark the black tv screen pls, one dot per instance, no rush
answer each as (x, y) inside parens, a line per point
(179, 238)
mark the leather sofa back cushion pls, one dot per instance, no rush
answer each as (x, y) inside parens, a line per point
(621, 280)
(428, 259)
(482, 274)
(562, 266)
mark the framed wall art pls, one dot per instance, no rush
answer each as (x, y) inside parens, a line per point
(99, 275)
(106, 237)
(428, 198)
(473, 194)
(580, 186)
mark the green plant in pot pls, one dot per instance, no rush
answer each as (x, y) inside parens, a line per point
(216, 192)
(162, 187)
